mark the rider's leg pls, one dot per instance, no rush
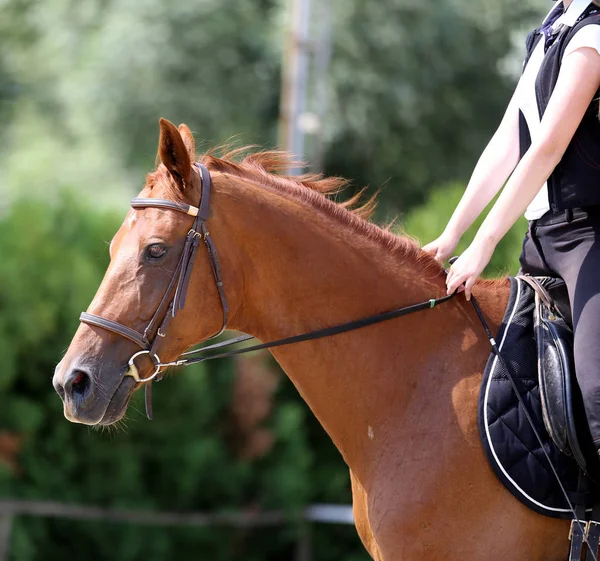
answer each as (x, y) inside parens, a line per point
(572, 248)
(532, 258)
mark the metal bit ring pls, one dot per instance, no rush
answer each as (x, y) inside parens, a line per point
(133, 371)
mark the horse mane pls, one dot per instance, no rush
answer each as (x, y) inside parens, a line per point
(264, 167)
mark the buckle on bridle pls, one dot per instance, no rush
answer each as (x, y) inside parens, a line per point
(133, 371)
(193, 234)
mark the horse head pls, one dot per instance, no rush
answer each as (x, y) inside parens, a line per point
(144, 288)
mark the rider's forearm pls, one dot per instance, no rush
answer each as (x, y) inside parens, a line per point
(533, 170)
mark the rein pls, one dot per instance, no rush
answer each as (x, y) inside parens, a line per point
(309, 336)
(175, 295)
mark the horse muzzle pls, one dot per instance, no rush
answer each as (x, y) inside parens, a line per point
(88, 401)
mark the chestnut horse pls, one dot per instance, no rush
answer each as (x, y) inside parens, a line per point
(398, 399)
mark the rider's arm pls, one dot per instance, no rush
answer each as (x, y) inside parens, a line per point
(578, 82)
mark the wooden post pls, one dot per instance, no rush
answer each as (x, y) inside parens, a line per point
(304, 544)
(5, 529)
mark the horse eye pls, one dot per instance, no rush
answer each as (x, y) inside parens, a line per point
(156, 251)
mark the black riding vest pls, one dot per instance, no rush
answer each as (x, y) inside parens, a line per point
(575, 181)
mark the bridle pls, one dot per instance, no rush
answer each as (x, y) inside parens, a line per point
(174, 297)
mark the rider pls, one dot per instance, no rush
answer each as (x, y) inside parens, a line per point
(548, 143)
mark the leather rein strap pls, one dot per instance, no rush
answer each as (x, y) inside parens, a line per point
(175, 295)
(310, 336)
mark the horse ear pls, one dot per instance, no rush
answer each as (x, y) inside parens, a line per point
(188, 140)
(173, 153)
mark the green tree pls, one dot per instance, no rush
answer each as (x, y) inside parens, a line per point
(417, 89)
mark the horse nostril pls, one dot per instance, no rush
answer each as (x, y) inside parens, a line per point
(77, 385)
(80, 383)
(60, 389)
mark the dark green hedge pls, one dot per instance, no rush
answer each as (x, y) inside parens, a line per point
(53, 256)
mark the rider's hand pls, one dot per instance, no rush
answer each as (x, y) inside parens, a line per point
(467, 268)
(441, 248)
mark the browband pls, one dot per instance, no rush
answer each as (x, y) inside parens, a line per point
(163, 203)
(201, 213)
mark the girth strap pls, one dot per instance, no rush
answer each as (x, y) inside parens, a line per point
(576, 536)
(593, 534)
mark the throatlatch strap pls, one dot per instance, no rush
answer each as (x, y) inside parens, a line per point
(216, 269)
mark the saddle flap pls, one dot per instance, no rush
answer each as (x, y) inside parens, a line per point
(560, 396)
(554, 343)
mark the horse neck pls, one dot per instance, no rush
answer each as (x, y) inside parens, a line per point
(295, 269)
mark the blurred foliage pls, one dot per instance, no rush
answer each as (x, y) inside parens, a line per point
(418, 89)
(53, 257)
(414, 88)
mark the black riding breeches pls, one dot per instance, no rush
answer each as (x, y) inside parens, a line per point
(567, 245)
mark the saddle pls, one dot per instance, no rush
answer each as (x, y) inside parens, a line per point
(536, 343)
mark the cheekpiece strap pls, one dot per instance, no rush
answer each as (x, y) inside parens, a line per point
(204, 210)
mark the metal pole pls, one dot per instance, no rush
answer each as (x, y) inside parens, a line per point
(284, 101)
(5, 530)
(322, 60)
(295, 78)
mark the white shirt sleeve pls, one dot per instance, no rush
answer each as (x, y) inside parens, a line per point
(588, 36)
